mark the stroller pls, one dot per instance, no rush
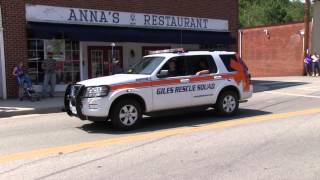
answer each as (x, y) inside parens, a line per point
(26, 92)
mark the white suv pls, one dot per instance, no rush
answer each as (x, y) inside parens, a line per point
(162, 81)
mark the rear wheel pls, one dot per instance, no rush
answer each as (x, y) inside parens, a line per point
(126, 114)
(228, 103)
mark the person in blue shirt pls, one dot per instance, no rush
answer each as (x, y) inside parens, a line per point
(308, 65)
(22, 78)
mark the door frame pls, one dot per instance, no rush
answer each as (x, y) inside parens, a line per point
(105, 56)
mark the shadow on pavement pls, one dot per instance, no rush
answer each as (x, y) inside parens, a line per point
(263, 85)
(179, 119)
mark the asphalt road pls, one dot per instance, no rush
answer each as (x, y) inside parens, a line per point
(276, 135)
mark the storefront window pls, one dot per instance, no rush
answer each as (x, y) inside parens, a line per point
(35, 59)
(68, 69)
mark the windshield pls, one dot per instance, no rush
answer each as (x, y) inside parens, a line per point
(146, 66)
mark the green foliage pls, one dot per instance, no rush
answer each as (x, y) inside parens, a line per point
(265, 12)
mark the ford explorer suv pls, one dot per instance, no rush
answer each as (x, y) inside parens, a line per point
(162, 81)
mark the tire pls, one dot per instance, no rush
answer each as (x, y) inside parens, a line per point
(227, 103)
(126, 114)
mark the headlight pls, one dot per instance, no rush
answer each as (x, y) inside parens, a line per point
(97, 91)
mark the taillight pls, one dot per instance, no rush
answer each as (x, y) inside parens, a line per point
(243, 64)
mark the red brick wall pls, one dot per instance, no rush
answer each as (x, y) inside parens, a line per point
(15, 31)
(279, 55)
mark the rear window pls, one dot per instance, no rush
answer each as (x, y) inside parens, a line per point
(201, 62)
(226, 59)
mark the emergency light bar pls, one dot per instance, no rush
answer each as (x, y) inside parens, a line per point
(176, 50)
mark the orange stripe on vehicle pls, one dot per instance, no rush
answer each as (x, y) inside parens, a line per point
(166, 81)
(227, 75)
(159, 83)
(131, 85)
(201, 78)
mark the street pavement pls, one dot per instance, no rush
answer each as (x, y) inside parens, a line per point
(276, 135)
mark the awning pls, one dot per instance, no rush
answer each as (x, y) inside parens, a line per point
(122, 34)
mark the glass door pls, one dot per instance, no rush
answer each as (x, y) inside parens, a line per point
(101, 62)
(98, 61)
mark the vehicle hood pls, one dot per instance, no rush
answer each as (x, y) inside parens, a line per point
(115, 79)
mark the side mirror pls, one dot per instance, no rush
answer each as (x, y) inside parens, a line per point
(163, 73)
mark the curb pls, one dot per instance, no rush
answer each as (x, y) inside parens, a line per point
(35, 111)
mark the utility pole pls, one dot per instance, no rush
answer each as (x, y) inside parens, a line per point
(306, 26)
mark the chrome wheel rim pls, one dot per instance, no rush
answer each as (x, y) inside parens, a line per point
(229, 104)
(128, 115)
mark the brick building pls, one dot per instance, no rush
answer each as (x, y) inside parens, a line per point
(275, 50)
(86, 36)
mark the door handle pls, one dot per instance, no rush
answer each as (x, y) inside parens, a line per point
(218, 77)
(185, 81)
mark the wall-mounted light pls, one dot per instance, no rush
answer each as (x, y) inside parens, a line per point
(301, 32)
(267, 33)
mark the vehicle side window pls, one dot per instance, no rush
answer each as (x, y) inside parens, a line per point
(174, 67)
(202, 64)
(226, 59)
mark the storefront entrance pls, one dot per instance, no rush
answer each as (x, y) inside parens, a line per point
(100, 61)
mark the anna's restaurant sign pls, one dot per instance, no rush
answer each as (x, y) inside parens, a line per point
(52, 14)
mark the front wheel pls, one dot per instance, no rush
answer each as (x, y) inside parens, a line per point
(228, 103)
(126, 114)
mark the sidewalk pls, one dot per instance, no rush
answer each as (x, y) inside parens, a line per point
(14, 107)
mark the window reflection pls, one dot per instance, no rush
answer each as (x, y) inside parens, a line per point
(68, 69)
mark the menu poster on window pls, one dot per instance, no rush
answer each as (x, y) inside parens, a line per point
(57, 47)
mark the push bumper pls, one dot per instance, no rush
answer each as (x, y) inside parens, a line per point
(73, 100)
(79, 106)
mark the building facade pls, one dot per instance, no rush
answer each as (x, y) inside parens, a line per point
(315, 43)
(275, 50)
(97, 38)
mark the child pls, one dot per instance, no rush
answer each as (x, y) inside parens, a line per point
(21, 76)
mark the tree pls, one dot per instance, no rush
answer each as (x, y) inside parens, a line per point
(265, 12)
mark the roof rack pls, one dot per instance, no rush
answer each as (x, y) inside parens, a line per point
(176, 50)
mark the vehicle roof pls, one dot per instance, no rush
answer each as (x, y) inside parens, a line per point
(190, 53)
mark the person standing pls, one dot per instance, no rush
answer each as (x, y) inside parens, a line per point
(315, 64)
(307, 65)
(49, 67)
